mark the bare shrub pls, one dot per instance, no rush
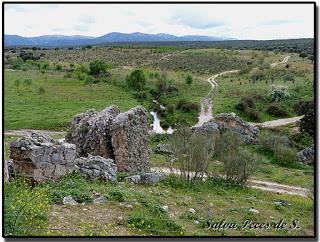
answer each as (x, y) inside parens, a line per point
(239, 163)
(192, 152)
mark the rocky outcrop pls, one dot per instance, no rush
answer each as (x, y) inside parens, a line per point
(130, 140)
(122, 137)
(306, 155)
(208, 128)
(90, 131)
(229, 121)
(42, 158)
(97, 167)
(248, 133)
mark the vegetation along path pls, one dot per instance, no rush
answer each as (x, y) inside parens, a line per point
(253, 183)
(206, 113)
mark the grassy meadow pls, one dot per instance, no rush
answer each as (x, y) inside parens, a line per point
(45, 94)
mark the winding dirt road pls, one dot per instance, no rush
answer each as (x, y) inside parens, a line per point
(278, 122)
(206, 104)
(252, 183)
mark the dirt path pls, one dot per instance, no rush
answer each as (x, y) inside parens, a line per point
(253, 183)
(206, 104)
(23, 132)
(285, 59)
(278, 122)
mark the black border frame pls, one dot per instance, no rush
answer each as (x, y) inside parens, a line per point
(315, 38)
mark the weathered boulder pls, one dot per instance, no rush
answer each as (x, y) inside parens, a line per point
(133, 179)
(306, 155)
(208, 128)
(97, 167)
(230, 121)
(122, 137)
(90, 131)
(130, 138)
(68, 200)
(42, 158)
(163, 149)
(151, 178)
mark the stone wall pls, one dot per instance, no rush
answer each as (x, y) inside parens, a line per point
(42, 158)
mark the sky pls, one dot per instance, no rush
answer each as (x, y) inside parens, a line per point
(240, 21)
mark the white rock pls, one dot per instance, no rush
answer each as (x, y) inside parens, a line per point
(191, 210)
(165, 208)
(68, 200)
(252, 210)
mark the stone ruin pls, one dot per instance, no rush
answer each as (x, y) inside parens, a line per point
(42, 158)
(97, 145)
(113, 135)
(230, 121)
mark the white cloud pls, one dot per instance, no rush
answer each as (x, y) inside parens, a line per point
(242, 21)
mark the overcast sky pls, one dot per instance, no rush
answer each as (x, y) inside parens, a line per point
(241, 21)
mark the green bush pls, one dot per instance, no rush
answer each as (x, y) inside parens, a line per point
(238, 163)
(90, 80)
(286, 156)
(246, 102)
(97, 68)
(24, 207)
(278, 92)
(58, 67)
(253, 114)
(276, 110)
(308, 123)
(72, 184)
(136, 80)
(117, 195)
(187, 106)
(192, 152)
(269, 141)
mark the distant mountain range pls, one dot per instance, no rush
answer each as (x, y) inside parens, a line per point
(114, 37)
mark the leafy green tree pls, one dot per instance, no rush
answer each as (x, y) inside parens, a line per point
(278, 92)
(308, 123)
(97, 68)
(58, 67)
(136, 80)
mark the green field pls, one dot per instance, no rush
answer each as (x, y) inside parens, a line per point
(45, 94)
(64, 96)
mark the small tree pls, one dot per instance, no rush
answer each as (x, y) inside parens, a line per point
(58, 67)
(192, 152)
(189, 79)
(136, 80)
(278, 92)
(97, 68)
(239, 163)
(308, 123)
